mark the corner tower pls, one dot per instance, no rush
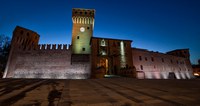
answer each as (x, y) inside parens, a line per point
(82, 31)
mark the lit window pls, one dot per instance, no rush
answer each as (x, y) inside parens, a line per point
(103, 43)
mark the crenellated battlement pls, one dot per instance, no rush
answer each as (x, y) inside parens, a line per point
(83, 16)
(49, 47)
(53, 47)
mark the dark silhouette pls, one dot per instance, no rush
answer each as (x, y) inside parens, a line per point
(4, 52)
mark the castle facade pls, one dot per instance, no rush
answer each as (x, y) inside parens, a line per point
(90, 57)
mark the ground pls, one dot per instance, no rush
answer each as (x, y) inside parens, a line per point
(99, 92)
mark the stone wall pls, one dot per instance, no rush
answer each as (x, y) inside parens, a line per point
(47, 61)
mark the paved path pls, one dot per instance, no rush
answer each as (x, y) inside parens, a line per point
(99, 92)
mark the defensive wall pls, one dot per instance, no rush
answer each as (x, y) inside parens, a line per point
(48, 61)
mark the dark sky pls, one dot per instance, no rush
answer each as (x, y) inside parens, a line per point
(156, 25)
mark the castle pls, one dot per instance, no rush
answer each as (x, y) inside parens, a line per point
(90, 57)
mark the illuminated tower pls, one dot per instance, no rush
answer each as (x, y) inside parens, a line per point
(83, 25)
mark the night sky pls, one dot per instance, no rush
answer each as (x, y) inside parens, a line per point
(156, 25)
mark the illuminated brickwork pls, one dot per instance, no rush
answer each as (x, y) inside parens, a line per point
(28, 59)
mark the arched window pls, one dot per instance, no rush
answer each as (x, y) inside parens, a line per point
(103, 43)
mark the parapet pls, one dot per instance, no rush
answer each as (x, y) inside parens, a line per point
(53, 47)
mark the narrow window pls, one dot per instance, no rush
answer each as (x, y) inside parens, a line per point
(171, 61)
(177, 61)
(77, 37)
(152, 59)
(83, 49)
(140, 58)
(141, 67)
(146, 58)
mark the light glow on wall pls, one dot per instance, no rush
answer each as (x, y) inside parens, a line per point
(123, 57)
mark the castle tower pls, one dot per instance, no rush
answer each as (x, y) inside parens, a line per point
(83, 25)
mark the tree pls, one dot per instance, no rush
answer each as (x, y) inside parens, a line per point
(4, 52)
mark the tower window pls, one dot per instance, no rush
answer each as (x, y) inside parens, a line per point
(83, 49)
(77, 37)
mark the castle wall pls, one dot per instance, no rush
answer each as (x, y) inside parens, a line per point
(154, 65)
(47, 61)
